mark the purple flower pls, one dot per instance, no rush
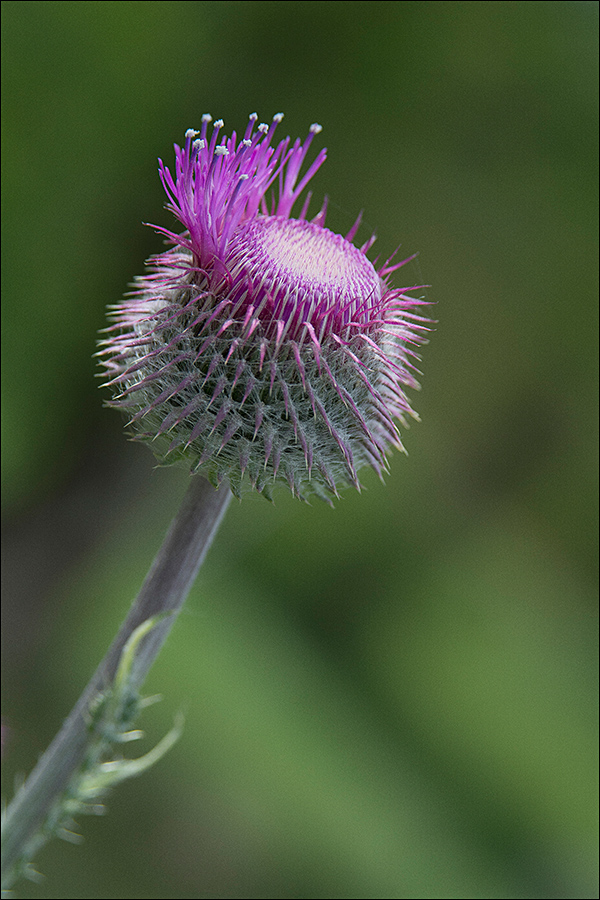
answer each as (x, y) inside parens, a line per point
(262, 347)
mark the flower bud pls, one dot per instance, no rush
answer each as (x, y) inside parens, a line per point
(261, 347)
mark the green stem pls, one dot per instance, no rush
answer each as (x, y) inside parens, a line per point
(163, 593)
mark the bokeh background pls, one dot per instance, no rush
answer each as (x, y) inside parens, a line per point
(395, 698)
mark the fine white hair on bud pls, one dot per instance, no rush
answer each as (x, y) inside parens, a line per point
(262, 347)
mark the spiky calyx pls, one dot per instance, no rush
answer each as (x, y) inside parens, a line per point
(260, 347)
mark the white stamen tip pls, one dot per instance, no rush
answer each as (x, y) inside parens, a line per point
(263, 127)
(207, 117)
(253, 116)
(244, 177)
(219, 123)
(221, 151)
(191, 133)
(246, 143)
(315, 128)
(199, 145)
(278, 117)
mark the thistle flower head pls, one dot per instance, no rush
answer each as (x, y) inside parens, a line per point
(262, 347)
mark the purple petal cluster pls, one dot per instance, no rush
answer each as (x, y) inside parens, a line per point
(261, 347)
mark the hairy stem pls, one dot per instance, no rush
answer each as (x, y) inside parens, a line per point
(162, 594)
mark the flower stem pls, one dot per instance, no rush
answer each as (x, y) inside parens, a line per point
(163, 593)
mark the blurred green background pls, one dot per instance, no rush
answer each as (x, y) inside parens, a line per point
(395, 698)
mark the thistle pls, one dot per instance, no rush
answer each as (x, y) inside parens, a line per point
(261, 347)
